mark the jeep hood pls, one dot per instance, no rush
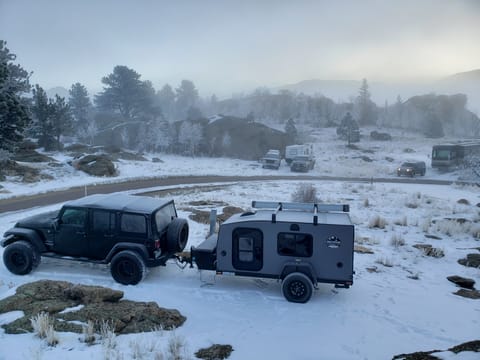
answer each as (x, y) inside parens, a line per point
(38, 221)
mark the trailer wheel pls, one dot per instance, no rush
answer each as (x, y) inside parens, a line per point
(177, 235)
(297, 287)
(128, 268)
(21, 257)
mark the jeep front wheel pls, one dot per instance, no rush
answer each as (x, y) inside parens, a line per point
(128, 268)
(297, 287)
(21, 257)
(177, 235)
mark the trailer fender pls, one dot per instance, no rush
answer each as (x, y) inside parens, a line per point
(304, 268)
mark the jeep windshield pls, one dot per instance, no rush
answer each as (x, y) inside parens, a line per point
(164, 216)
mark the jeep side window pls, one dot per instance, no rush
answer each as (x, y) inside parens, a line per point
(74, 217)
(247, 249)
(133, 223)
(300, 245)
(164, 216)
(103, 221)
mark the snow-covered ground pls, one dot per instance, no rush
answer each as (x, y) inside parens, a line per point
(400, 302)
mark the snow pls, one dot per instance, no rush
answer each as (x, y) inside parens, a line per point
(406, 307)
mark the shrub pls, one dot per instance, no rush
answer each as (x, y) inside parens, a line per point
(42, 325)
(176, 347)
(305, 193)
(88, 333)
(377, 222)
(397, 240)
(401, 222)
(107, 334)
(366, 203)
(385, 261)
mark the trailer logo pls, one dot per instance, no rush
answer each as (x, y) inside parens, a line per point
(333, 242)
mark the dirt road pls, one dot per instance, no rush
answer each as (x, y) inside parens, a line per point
(26, 202)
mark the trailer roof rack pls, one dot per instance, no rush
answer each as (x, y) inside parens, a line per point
(306, 207)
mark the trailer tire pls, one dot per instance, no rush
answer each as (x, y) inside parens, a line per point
(177, 235)
(128, 267)
(297, 287)
(21, 257)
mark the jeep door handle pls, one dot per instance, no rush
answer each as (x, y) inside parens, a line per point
(108, 235)
(81, 233)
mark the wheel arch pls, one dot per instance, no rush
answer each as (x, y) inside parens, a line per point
(304, 268)
(138, 248)
(29, 235)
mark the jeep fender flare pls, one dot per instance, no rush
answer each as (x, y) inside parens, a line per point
(29, 235)
(138, 248)
(304, 268)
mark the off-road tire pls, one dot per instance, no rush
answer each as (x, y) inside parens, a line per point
(21, 257)
(177, 235)
(128, 267)
(297, 287)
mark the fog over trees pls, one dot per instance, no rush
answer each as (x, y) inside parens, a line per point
(130, 112)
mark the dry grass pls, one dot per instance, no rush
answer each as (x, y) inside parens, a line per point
(377, 222)
(305, 193)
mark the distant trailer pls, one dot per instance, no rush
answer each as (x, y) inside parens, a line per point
(446, 156)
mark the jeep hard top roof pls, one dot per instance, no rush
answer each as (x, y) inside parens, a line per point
(120, 202)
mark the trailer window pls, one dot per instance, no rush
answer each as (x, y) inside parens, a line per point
(300, 245)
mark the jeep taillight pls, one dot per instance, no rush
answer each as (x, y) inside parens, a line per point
(157, 244)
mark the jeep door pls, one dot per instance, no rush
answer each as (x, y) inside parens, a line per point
(71, 234)
(103, 233)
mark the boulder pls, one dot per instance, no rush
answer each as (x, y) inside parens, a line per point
(375, 135)
(214, 352)
(100, 304)
(96, 165)
(472, 260)
(461, 281)
(429, 250)
(469, 294)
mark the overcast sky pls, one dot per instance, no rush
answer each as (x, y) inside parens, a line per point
(231, 46)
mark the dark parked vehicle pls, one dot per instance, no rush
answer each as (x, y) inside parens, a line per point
(271, 160)
(412, 169)
(302, 163)
(298, 243)
(128, 232)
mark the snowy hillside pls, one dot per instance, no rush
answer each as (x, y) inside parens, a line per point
(400, 301)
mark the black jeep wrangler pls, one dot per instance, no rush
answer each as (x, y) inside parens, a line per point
(128, 232)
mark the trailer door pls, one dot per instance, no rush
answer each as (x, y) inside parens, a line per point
(247, 249)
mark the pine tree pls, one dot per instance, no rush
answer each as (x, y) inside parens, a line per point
(42, 126)
(80, 106)
(126, 94)
(187, 96)
(14, 116)
(166, 100)
(366, 109)
(61, 118)
(291, 131)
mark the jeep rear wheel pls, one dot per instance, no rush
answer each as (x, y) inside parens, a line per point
(128, 268)
(177, 235)
(297, 287)
(21, 257)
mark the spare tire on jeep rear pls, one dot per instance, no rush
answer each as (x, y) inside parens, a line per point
(177, 235)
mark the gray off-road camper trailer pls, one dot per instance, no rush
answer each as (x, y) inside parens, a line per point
(301, 244)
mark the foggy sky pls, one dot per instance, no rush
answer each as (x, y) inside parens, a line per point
(227, 46)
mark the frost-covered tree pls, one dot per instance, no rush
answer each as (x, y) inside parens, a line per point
(166, 100)
(187, 96)
(14, 115)
(80, 106)
(190, 136)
